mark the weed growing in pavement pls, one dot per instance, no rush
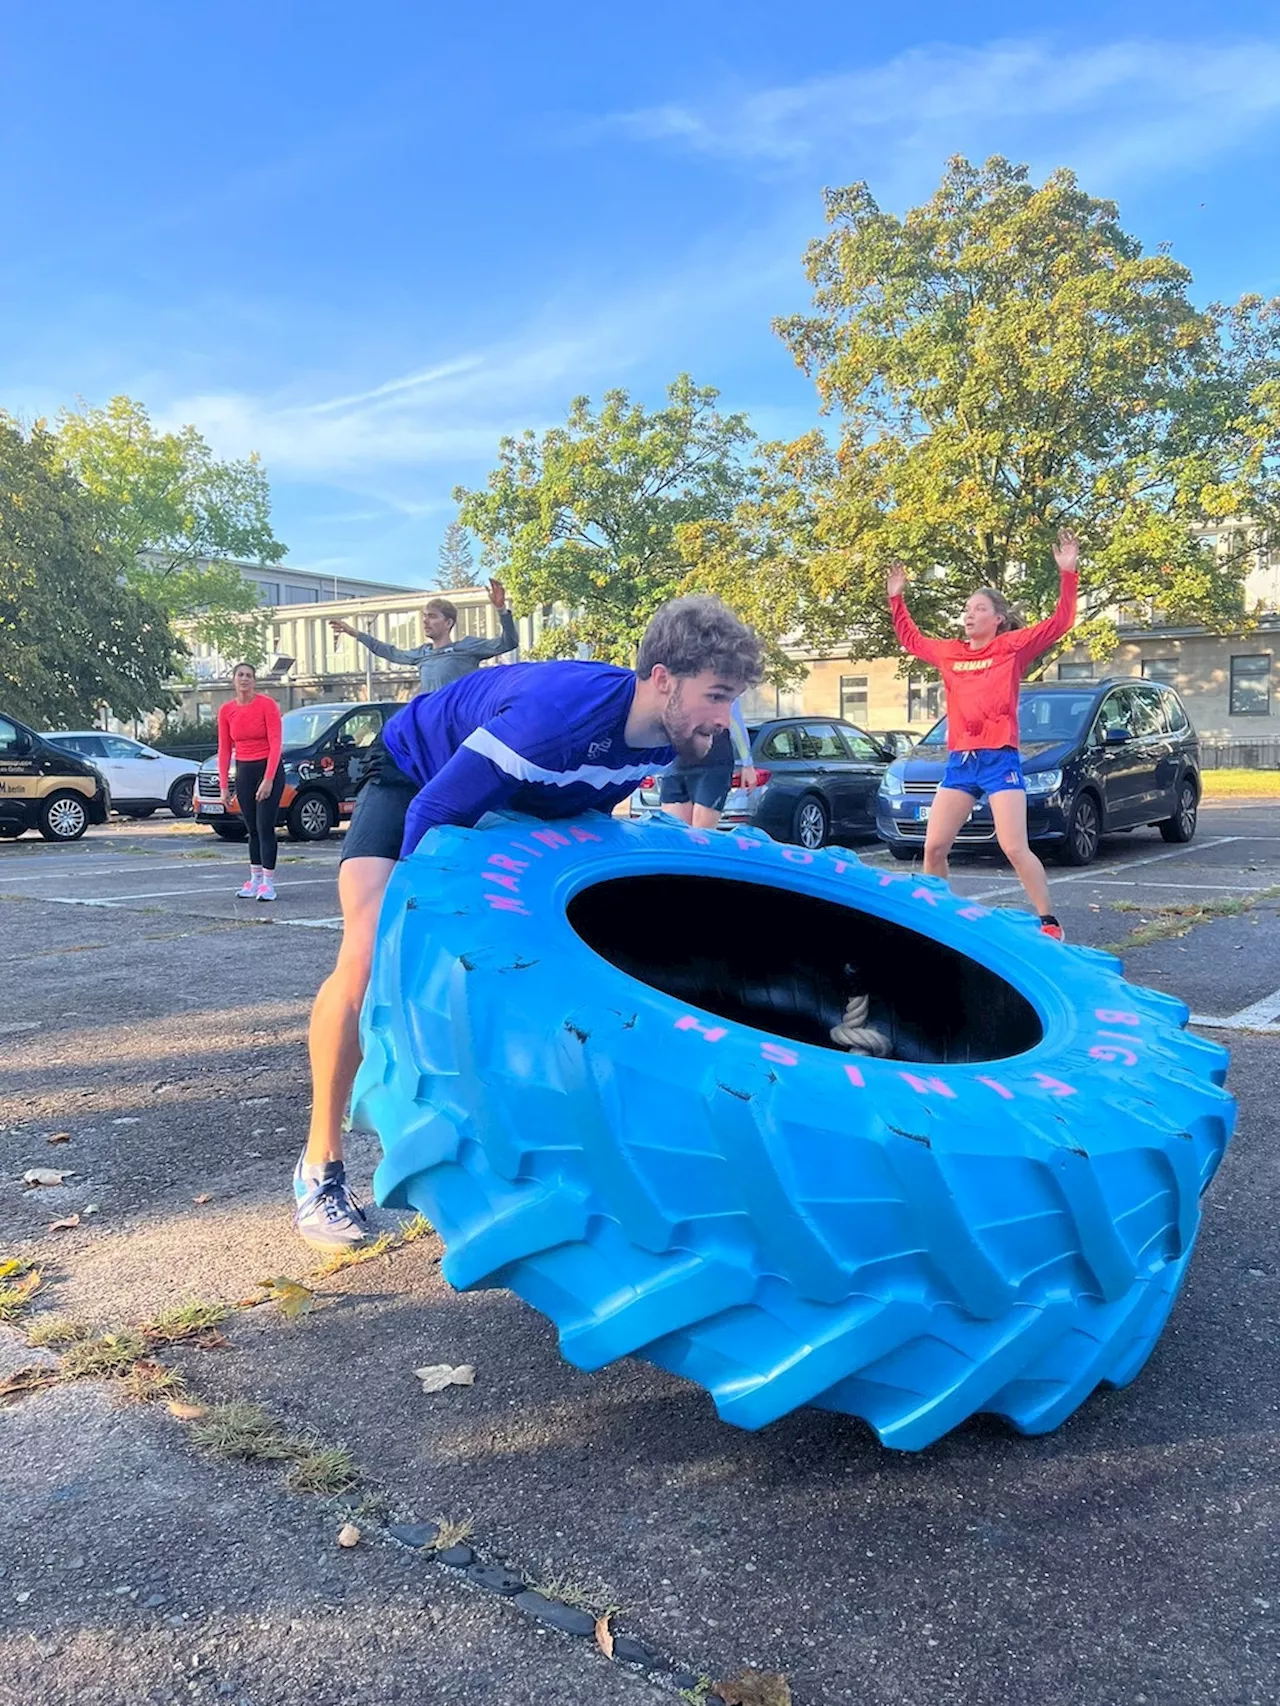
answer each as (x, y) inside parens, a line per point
(184, 1319)
(19, 1282)
(695, 1696)
(242, 1430)
(1166, 923)
(409, 1233)
(327, 1469)
(54, 1330)
(450, 1532)
(153, 1382)
(592, 1597)
(110, 1354)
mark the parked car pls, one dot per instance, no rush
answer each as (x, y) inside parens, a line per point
(816, 781)
(46, 788)
(322, 751)
(140, 778)
(1098, 757)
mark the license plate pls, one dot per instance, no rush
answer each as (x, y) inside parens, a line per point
(922, 812)
(211, 806)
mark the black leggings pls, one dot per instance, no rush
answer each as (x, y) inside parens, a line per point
(259, 815)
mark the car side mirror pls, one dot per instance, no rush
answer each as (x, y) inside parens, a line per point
(151, 755)
(1117, 737)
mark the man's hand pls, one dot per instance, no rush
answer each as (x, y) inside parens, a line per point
(497, 595)
(264, 788)
(748, 776)
(1066, 553)
(897, 581)
(341, 627)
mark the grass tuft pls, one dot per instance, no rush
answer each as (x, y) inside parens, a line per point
(409, 1233)
(54, 1330)
(186, 1318)
(451, 1532)
(111, 1354)
(1166, 923)
(153, 1382)
(593, 1597)
(327, 1469)
(246, 1431)
(19, 1282)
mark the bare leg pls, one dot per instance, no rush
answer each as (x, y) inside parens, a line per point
(705, 817)
(334, 1037)
(683, 809)
(1009, 809)
(951, 808)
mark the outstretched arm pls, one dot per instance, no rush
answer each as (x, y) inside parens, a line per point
(909, 636)
(507, 640)
(384, 648)
(1030, 642)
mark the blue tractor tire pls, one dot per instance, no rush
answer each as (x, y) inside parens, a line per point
(597, 1055)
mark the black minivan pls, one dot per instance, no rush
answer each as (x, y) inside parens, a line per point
(323, 749)
(45, 787)
(1098, 757)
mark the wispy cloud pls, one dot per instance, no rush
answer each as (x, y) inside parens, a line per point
(1155, 102)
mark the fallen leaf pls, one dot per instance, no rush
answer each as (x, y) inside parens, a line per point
(58, 1137)
(65, 1224)
(604, 1635)
(186, 1411)
(437, 1375)
(348, 1535)
(46, 1176)
(91, 1208)
(755, 1688)
(293, 1297)
(204, 1197)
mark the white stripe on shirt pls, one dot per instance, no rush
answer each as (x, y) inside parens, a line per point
(513, 764)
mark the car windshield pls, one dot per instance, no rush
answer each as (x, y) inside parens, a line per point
(1042, 716)
(309, 723)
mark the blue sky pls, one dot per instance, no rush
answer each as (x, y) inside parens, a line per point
(367, 242)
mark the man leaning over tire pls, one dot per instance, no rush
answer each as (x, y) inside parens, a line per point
(550, 739)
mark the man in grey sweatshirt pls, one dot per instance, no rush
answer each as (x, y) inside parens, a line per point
(443, 659)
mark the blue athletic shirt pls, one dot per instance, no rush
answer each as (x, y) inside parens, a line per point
(544, 738)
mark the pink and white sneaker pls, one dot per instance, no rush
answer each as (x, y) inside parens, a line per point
(266, 888)
(250, 889)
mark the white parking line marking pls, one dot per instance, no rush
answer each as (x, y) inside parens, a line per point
(1262, 1016)
(1112, 870)
(1182, 888)
(313, 923)
(159, 894)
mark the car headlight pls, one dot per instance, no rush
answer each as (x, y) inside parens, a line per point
(1044, 781)
(891, 784)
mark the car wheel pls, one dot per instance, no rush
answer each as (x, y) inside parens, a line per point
(1182, 825)
(809, 824)
(230, 831)
(136, 811)
(1084, 832)
(63, 817)
(905, 854)
(181, 796)
(311, 817)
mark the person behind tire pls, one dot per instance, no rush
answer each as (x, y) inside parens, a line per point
(249, 726)
(981, 675)
(696, 792)
(443, 659)
(550, 739)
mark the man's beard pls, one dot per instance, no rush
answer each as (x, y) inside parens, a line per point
(689, 740)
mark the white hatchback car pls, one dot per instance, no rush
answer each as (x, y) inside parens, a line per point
(140, 778)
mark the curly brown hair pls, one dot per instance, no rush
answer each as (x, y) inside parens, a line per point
(688, 635)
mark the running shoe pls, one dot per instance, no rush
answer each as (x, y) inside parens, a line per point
(249, 891)
(266, 889)
(1055, 930)
(326, 1211)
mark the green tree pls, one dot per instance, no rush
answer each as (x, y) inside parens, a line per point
(586, 515)
(457, 560)
(177, 518)
(1003, 361)
(72, 637)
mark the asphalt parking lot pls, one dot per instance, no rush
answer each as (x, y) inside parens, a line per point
(1131, 1557)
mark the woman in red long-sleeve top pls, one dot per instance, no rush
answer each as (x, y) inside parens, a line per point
(249, 725)
(981, 675)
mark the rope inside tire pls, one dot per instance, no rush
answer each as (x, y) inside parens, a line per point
(855, 1034)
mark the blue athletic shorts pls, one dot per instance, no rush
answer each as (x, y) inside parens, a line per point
(994, 770)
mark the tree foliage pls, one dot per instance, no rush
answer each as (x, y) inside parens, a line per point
(1003, 361)
(177, 518)
(457, 560)
(586, 516)
(72, 636)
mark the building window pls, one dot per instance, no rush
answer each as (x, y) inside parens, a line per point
(301, 595)
(853, 698)
(1076, 671)
(268, 591)
(924, 700)
(1251, 685)
(1160, 669)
